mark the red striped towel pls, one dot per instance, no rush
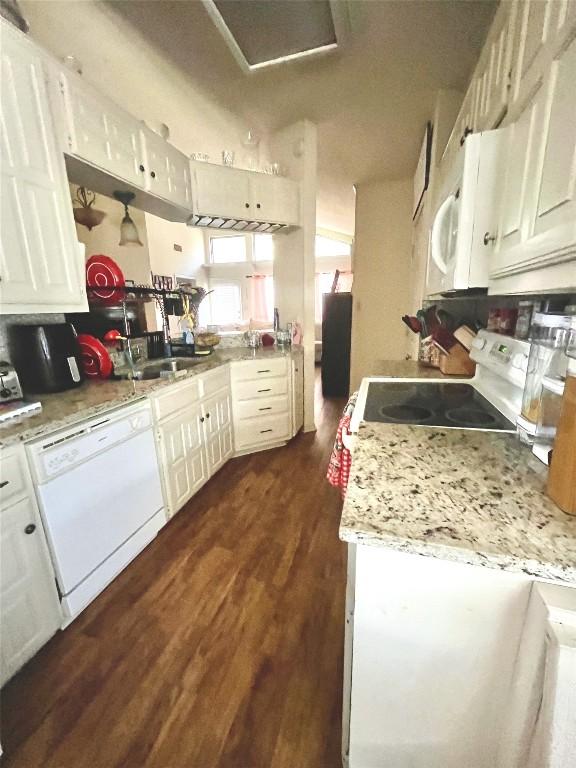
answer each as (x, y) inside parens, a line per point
(341, 459)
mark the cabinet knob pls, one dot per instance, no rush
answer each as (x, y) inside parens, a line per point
(467, 132)
(247, 205)
(258, 205)
(207, 415)
(153, 174)
(488, 238)
(202, 419)
(142, 169)
(30, 528)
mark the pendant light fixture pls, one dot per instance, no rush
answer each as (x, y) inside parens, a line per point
(85, 214)
(128, 231)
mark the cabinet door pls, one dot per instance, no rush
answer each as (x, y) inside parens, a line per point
(297, 395)
(221, 191)
(184, 467)
(538, 211)
(275, 199)
(100, 132)
(465, 124)
(518, 181)
(556, 169)
(493, 71)
(41, 268)
(29, 600)
(167, 171)
(216, 411)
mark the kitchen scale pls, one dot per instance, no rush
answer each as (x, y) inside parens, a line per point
(490, 401)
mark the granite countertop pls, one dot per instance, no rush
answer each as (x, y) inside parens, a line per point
(94, 397)
(408, 369)
(460, 495)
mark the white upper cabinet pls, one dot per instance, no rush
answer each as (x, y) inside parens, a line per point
(231, 193)
(166, 170)
(536, 245)
(95, 130)
(275, 198)
(485, 101)
(41, 264)
(221, 191)
(493, 71)
(99, 132)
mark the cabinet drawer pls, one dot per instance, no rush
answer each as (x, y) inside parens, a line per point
(12, 477)
(247, 370)
(264, 388)
(215, 380)
(268, 406)
(175, 398)
(265, 429)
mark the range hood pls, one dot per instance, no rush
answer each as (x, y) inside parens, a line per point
(238, 225)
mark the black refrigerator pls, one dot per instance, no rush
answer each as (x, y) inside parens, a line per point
(336, 334)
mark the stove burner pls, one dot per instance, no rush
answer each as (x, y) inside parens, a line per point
(470, 417)
(406, 414)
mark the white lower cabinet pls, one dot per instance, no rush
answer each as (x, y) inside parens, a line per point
(297, 393)
(183, 457)
(29, 603)
(262, 403)
(194, 434)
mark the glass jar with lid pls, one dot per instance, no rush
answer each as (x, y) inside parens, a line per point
(550, 336)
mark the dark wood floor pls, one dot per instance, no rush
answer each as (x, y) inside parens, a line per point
(221, 645)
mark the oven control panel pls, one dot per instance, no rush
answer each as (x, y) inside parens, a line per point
(502, 354)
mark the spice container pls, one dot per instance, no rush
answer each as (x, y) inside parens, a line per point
(550, 334)
(526, 309)
(507, 321)
(550, 408)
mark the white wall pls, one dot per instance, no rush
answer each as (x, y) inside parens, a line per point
(383, 277)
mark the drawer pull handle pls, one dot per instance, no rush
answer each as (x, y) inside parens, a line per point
(266, 371)
(268, 408)
(265, 390)
(4, 483)
(263, 431)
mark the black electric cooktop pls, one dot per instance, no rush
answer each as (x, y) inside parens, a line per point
(432, 404)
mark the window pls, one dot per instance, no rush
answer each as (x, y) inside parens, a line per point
(328, 246)
(234, 249)
(263, 248)
(225, 304)
(226, 250)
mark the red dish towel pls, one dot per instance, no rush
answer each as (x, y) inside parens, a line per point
(341, 459)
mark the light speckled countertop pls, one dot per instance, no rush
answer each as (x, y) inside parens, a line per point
(94, 397)
(408, 369)
(461, 495)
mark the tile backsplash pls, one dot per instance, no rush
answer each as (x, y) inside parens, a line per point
(7, 320)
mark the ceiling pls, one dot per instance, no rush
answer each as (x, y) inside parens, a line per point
(370, 99)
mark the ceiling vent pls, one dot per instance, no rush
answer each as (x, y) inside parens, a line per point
(262, 33)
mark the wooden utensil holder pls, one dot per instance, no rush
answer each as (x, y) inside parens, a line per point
(457, 362)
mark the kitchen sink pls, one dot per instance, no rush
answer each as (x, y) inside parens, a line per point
(166, 367)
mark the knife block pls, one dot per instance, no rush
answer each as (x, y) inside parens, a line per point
(457, 362)
(562, 474)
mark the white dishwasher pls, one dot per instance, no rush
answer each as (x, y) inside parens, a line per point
(100, 497)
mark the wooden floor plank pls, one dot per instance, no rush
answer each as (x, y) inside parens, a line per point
(219, 647)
